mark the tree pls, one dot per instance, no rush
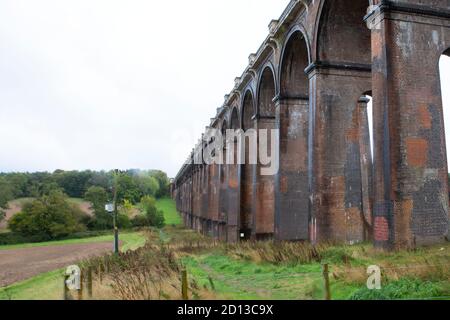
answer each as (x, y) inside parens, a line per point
(127, 189)
(163, 181)
(154, 216)
(98, 197)
(6, 195)
(147, 185)
(47, 218)
(127, 208)
(18, 183)
(74, 183)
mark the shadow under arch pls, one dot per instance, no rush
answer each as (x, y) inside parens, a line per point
(233, 185)
(266, 92)
(295, 58)
(340, 33)
(246, 176)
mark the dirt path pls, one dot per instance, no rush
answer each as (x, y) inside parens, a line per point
(21, 264)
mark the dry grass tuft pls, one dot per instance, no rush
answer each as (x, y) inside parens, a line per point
(277, 252)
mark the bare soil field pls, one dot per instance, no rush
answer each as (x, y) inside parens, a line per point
(21, 264)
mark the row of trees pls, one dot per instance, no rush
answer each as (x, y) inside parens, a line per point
(134, 184)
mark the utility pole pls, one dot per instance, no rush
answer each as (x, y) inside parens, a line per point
(116, 230)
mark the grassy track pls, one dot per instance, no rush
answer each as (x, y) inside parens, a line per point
(171, 215)
(246, 280)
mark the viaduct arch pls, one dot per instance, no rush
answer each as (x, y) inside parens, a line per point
(309, 80)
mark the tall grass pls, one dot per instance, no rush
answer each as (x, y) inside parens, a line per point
(277, 252)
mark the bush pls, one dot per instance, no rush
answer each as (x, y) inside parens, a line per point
(140, 221)
(101, 221)
(10, 238)
(402, 289)
(123, 222)
(47, 218)
(154, 216)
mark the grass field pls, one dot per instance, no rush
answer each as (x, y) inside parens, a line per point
(171, 216)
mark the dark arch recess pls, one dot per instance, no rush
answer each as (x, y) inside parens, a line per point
(293, 80)
(343, 35)
(234, 119)
(248, 111)
(266, 94)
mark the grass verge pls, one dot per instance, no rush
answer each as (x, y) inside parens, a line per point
(171, 216)
(130, 240)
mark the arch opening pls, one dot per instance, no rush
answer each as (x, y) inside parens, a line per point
(246, 219)
(444, 73)
(294, 82)
(363, 115)
(266, 94)
(265, 185)
(343, 35)
(224, 150)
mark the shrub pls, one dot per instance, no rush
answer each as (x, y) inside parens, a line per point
(402, 289)
(9, 238)
(123, 222)
(47, 218)
(154, 216)
(140, 221)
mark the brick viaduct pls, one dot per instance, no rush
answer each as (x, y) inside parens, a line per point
(310, 79)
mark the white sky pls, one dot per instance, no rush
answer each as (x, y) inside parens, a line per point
(102, 84)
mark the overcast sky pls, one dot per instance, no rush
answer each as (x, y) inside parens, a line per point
(102, 84)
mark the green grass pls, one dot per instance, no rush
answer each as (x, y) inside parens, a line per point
(171, 216)
(246, 280)
(47, 285)
(130, 240)
(406, 288)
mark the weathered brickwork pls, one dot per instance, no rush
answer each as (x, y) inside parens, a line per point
(311, 80)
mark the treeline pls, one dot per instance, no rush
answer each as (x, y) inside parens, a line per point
(133, 184)
(50, 215)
